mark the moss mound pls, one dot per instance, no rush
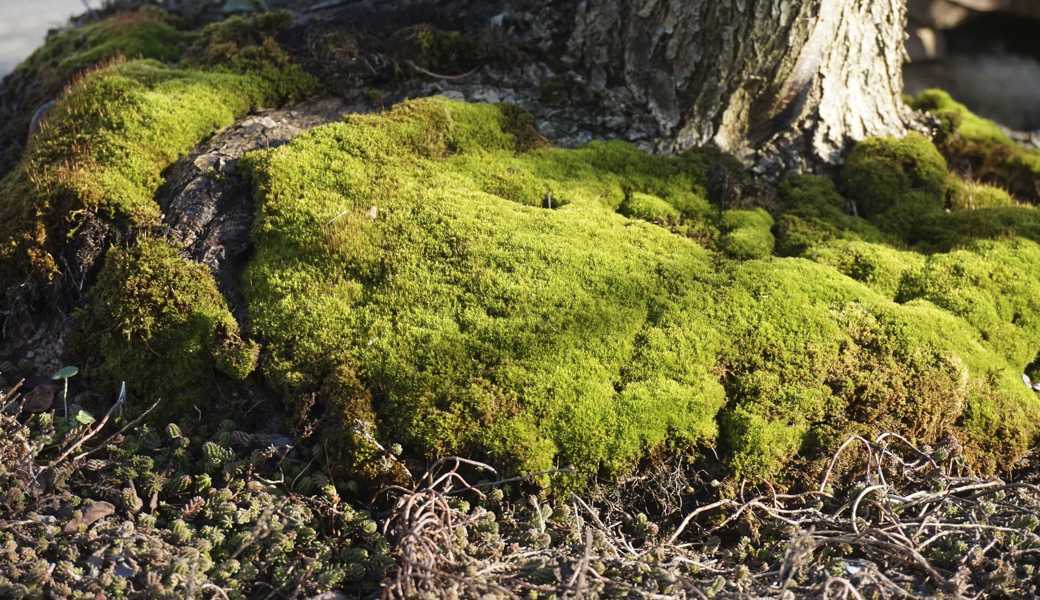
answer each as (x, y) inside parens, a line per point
(417, 252)
(812, 212)
(748, 234)
(972, 195)
(980, 148)
(102, 149)
(441, 278)
(145, 33)
(161, 320)
(885, 174)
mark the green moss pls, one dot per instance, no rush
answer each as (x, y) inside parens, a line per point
(158, 322)
(957, 119)
(879, 266)
(970, 195)
(748, 234)
(474, 320)
(247, 45)
(816, 356)
(145, 33)
(435, 48)
(69, 53)
(458, 305)
(814, 212)
(881, 173)
(649, 208)
(439, 276)
(945, 231)
(992, 286)
(103, 148)
(979, 148)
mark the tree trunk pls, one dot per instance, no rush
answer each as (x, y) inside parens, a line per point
(764, 79)
(780, 83)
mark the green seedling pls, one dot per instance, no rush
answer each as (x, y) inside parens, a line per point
(64, 374)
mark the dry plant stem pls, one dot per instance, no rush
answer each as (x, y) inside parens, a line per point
(905, 505)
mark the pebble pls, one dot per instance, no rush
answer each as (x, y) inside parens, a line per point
(40, 398)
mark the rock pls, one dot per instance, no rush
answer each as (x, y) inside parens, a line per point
(93, 512)
(40, 398)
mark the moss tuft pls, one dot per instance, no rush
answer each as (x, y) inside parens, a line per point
(879, 266)
(158, 322)
(448, 52)
(881, 173)
(956, 119)
(813, 212)
(970, 195)
(748, 234)
(69, 53)
(247, 45)
(946, 231)
(145, 33)
(649, 208)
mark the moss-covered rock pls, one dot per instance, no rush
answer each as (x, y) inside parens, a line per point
(69, 52)
(145, 33)
(440, 277)
(416, 251)
(159, 321)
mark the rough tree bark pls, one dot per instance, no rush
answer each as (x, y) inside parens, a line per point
(780, 83)
(752, 76)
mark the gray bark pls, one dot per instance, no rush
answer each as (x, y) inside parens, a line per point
(780, 83)
(753, 77)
